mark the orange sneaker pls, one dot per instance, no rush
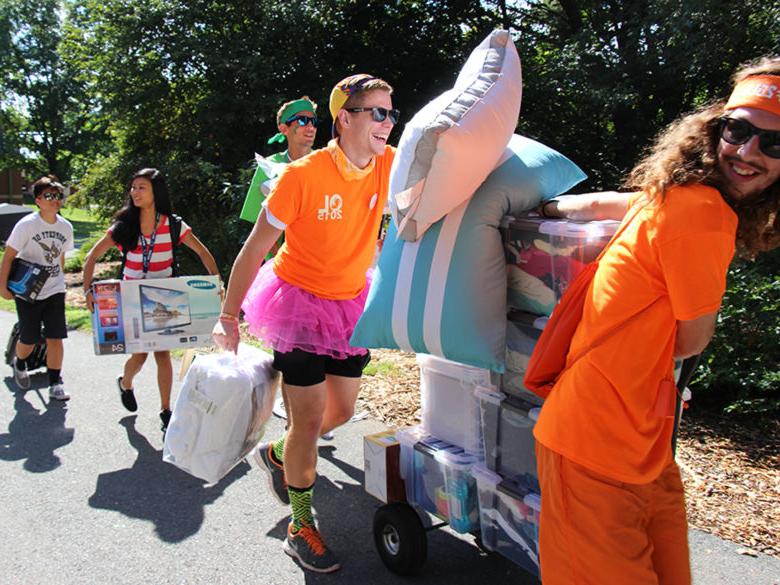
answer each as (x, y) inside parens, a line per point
(307, 546)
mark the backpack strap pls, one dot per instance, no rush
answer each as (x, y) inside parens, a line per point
(174, 223)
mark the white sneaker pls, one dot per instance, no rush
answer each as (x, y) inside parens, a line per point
(57, 392)
(21, 377)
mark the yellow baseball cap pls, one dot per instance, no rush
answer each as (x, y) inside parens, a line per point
(342, 90)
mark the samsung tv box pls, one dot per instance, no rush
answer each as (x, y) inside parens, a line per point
(27, 279)
(139, 316)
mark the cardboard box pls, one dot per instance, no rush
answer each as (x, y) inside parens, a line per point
(27, 279)
(136, 316)
(381, 453)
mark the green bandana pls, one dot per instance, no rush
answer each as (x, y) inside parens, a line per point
(301, 105)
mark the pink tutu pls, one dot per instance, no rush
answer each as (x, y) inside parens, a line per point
(286, 317)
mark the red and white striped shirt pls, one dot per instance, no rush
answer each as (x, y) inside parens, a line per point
(161, 263)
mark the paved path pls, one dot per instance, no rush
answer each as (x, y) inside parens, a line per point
(86, 499)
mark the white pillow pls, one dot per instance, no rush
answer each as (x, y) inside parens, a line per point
(447, 150)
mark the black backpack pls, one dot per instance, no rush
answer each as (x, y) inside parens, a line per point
(175, 224)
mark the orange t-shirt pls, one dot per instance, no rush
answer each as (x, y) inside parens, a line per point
(331, 222)
(669, 265)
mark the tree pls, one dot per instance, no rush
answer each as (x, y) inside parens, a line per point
(45, 113)
(603, 77)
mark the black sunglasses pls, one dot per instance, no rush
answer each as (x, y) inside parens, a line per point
(49, 196)
(302, 120)
(379, 114)
(736, 131)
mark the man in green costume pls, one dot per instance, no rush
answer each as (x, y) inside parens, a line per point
(297, 124)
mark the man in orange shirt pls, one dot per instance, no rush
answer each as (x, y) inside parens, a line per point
(306, 303)
(613, 508)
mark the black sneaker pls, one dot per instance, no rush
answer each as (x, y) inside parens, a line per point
(165, 417)
(127, 396)
(263, 456)
(307, 546)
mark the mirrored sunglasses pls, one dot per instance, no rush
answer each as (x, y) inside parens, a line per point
(52, 195)
(736, 131)
(379, 114)
(302, 120)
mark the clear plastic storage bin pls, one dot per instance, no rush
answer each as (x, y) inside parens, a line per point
(544, 255)
(509, 519)
(522, 333)
(507, 431)
(450, 411)
(437, 477)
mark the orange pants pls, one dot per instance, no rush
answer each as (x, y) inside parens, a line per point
(599, 531)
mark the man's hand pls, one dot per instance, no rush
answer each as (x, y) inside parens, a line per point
(5, 293)
(225, 334)
(90, 296)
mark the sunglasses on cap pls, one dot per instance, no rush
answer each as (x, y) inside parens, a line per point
(302, 120)
(379, 114)
(52, 195)
(736, 131)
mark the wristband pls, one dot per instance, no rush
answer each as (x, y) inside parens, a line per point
(228, 317)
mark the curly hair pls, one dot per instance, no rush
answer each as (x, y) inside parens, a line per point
(686, 152)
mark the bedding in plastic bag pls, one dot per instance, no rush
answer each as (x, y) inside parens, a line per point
(221, 412)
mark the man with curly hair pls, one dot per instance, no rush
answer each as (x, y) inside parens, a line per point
(613, 508)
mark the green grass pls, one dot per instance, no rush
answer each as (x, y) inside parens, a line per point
(385, 368)
(86, 224)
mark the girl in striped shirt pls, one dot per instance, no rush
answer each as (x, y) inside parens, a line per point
(142, 232)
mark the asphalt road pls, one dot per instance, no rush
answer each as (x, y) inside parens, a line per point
(86, 498)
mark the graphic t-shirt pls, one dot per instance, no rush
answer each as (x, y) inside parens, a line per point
(668, 265)
(43, 243)
(161, 263)
(331, 222)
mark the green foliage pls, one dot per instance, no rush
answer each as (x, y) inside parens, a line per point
(741, 369)
(602, 78)
(45, 113)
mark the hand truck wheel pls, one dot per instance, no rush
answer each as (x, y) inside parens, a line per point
(400, 538)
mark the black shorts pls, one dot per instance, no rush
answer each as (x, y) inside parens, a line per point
(301, 368)
(50, 312)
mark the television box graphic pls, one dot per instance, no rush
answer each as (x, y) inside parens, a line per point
(134, 316)
(27, 279)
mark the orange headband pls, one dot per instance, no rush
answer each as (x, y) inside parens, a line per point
(761, 92)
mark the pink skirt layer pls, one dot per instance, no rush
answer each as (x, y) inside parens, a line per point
(286, 317)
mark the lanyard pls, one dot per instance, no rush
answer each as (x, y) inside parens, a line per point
(148, 249)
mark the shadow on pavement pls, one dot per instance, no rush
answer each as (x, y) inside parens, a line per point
(345, 514)
(37, 429)
(157, 491)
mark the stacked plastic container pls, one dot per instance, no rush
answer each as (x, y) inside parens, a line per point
(543, 257)
(438, 456)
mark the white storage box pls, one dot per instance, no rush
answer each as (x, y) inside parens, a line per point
(437, 476)
(450, 411)
(221, 412)
(137, 316)
(509, 520)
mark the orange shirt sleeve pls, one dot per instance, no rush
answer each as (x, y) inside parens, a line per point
(695, 247)
(286, 198)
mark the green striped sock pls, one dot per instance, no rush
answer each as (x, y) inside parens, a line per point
(300, 501)
(278, 449)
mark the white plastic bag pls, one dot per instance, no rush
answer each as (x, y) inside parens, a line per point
(220, 415)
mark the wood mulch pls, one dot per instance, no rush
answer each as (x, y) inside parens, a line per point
(730, 466)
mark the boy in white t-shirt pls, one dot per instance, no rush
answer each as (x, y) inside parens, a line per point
(41, 238)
